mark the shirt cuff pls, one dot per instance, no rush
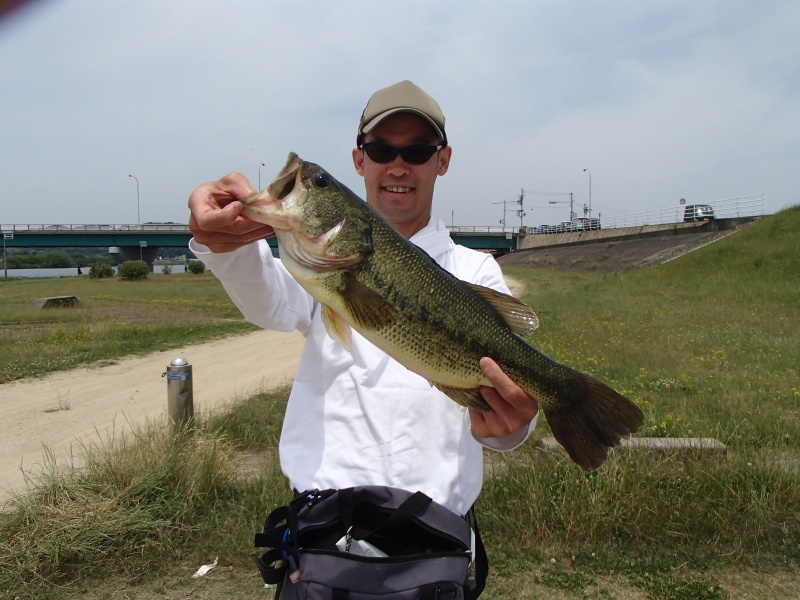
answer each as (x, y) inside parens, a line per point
(235, 265)
(507, 442)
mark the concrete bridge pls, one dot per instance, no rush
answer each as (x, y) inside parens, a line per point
(134, 242)
(130, 242)
(142, 242)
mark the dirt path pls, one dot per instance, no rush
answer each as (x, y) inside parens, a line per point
(61, 410)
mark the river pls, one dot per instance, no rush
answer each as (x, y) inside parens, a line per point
(69, 272)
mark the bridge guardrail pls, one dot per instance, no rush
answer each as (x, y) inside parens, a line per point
(494, 229)
(145, 227)
(729, 208)
(742, 206)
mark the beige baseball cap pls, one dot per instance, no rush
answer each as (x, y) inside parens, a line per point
(397, 98)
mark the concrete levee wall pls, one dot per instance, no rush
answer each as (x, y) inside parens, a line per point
(530, 242)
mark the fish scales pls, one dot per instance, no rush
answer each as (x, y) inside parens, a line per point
(370, 278)
(430, 307)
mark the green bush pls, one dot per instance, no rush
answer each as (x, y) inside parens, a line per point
(133, 269)
(167, 269)
(196, 267)
(101, 269)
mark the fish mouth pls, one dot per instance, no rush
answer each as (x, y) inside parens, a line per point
(273, 204)
(285, 181)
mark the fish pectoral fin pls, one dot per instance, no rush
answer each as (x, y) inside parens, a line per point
(469, 397)
(368, 309)
(336, 327)
(519, 317)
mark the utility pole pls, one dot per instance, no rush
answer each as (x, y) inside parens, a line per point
(520, 211)
(505, 210)
(571, 209)
(590, 191)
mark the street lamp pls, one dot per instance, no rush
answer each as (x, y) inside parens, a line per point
(571, 203)
(138, 217)
(590, 191)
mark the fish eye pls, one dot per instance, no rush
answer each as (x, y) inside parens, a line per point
(321, 180)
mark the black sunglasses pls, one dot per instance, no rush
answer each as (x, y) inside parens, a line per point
(416, 154)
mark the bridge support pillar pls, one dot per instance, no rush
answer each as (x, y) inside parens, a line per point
(147, 254)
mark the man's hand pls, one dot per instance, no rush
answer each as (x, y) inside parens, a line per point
(512, 408)
(216, 220)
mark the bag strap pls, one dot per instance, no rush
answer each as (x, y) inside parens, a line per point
(274, 533)
(410, 507)
(280, 534)
(480, 558)
(273, 564)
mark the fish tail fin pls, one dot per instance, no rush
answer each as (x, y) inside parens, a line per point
(593, 422)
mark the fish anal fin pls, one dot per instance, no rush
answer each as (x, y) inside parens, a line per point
(336, 327)
(593, 422)
(469, 397)
(368, 309)
(519, 317)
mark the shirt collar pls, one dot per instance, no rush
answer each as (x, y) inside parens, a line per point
(434, 239)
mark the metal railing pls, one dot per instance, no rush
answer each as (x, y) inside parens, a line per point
(495, 229)
(729, 208)
(95, 228)
(741, 206)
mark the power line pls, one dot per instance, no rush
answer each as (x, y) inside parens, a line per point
(520, 211)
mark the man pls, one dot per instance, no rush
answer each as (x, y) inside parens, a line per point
(359, 417)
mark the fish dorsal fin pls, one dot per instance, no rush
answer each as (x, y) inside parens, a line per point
(368, 309)
(336, 327)
(519, 317)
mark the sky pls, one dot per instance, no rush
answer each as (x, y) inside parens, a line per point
(658, 100)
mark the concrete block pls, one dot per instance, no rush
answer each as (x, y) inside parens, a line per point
(56, 302)
(654, 445)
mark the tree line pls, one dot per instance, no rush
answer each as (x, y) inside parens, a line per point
(33, 258)
(53, 259)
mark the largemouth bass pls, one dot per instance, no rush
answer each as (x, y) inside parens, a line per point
(368, 277)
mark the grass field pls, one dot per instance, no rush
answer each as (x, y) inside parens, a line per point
(114, 318)
(708, 346)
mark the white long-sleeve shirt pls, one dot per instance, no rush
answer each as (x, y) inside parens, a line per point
(359, 417)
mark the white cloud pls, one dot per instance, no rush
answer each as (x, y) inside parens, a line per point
(659, 101)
